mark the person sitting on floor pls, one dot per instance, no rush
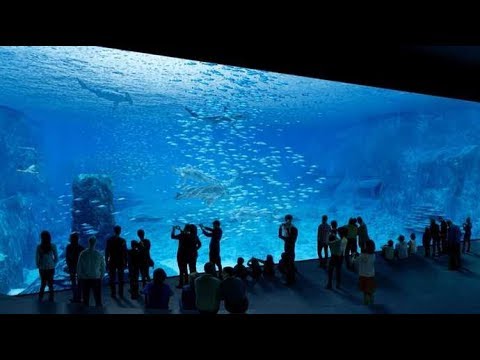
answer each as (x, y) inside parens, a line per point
(207, 291)
(254, 269)
(401, 248)
(286, 266)
(233, 292)
(187, 301)
(268, 267)
(412, 245)
(157, 293)
(240, 269)
(388, 252)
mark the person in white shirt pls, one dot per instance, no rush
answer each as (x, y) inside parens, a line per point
(90, 270)
(412, 244)
(401, 248)
(366, 272)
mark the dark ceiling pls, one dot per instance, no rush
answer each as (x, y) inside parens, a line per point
(450, 71)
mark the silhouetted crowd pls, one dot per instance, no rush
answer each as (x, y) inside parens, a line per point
(204, 293)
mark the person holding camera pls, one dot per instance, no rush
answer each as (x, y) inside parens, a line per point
(188, 245)
(288, 233)
(215, 235)
(146, 261)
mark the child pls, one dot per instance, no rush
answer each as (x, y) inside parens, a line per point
(401, 249)
(240, 270)
(254, 269)
(412, 245)
(157, 293)
(388, 252)
(286, 266)
(366, 272)
(268, 266)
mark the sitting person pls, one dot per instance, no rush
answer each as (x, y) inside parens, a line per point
(286, 266)
(254, 269)
(412, 245)
(388, 252)
(240, 269)
(268, 266)
(207, 291)
(233, 292)
(401, 248)
(157, 293)
(187, 301)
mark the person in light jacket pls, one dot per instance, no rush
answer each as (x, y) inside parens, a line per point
(90, 270)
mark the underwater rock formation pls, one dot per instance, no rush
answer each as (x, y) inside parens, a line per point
(93, 207)
(21, 195)
(18, 239)
(18, 154)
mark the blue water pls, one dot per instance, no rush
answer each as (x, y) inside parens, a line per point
(274, 143)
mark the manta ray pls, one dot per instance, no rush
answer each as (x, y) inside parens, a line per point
(192, 173)
(116, 97)
(224, 117)
(206, 193)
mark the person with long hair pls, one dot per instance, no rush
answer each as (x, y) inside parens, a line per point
(46, 259)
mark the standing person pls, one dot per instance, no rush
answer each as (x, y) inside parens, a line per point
(334, 226)
(362, 233)
(145, 259)
(426, 239)
(195, 240)
(443, 236)
(135, 262)
(215, 235)
(323, 233)
(435, 232)
(351, 242)
(454, 237)
(188, 245)
(91, 269)
(337, 248)
(116, 260)
(467, 228)
(73, 251)
(288, 233)
(366, 272)
(46, 259)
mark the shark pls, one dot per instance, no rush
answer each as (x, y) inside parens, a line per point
(223, 117)
(115, 96)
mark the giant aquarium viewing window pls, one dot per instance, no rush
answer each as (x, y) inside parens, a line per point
(92, 137)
